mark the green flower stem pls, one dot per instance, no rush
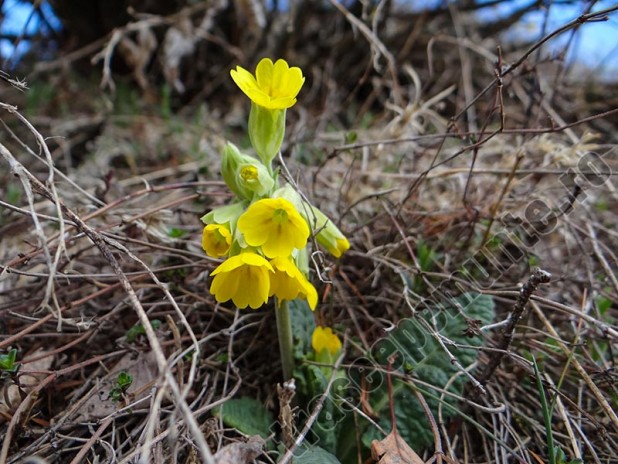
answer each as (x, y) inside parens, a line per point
(284, 331)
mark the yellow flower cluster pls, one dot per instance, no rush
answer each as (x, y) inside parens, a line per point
(272, 231)
(264, 235)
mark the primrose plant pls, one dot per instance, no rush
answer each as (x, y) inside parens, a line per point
(263, 234)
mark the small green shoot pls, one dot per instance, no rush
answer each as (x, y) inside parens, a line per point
(547, 413)
(351, 137)
(222, 358)
(138, 330)
(13, 194)
(175, 232)
(123, 382)
(555, 454)
(426, 258)
(603, 304)
(166, 102)
(8, 366)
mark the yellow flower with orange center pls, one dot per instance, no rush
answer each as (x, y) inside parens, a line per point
(274, 225)
(275, 85)
(216, 240)
(244, 279)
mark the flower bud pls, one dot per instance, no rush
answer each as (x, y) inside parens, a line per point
(216, 240)
(326, 345)
(231, 162)
(328, 234)
(256, 178)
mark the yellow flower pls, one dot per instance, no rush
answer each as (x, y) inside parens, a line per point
(274, 86)
(288, 283)
(275, 225)
(323, 338)
(244, 279)
(216, 240)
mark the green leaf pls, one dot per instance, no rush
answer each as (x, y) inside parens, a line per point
(351, 137)
(425, 256)
(7, 361)
(325, 428)
(124, 380)
(175, 232)
(138, 330)
(222, 357)
(13, 194)
(247, 415)
(603, 304)
(310, 454)
(419, 354)
(303, 325)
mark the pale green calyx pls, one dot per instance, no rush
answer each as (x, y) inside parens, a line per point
(266, 131)
(231, 162)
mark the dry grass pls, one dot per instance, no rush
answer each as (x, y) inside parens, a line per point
(442, 151)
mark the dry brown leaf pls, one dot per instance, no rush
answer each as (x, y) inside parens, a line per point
(142, 368)
(29, 377)
(286, 412)
(393, 450)
(241, 452)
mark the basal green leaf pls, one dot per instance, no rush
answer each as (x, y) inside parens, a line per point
(310, 454)
(416, 352)
(303, 325)
(247, 415)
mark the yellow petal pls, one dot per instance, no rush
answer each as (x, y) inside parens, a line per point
(288, 283)
(244, 279)
(275, 225)
(275, 86)
(311, 295)
(323, 338)
(286, 81)
(244, 79)
(264, 74)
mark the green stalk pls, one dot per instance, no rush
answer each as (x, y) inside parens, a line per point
(284, 331)
(551, 452)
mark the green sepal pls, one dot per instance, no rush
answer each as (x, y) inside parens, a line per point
(224, 214)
